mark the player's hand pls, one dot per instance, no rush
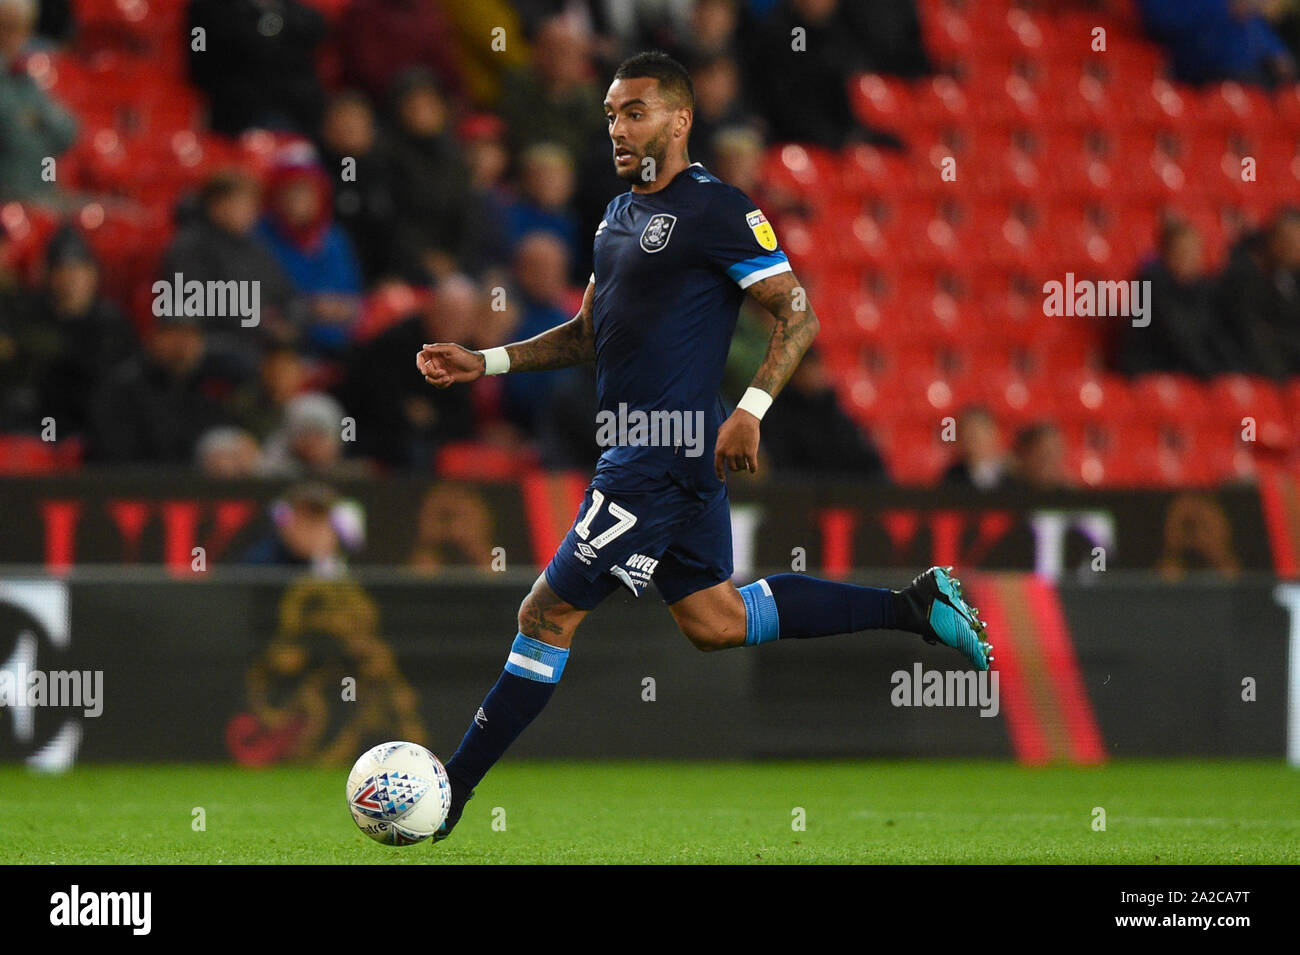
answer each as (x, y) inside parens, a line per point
(737, 445)
(443, 365)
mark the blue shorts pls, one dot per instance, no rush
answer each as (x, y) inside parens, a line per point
(666, 534)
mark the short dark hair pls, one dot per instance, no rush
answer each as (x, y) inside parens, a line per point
(1031, 434)
(1173, 230)
(674, 82)
(977, 410)
(223, 184)
(1287, 215)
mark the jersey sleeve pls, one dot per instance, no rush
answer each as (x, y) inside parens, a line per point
(604, 220)
(740, 241)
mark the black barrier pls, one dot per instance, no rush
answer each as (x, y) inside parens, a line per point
(268, 668)
(830, 527)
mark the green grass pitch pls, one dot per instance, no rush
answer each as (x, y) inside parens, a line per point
(894, 812)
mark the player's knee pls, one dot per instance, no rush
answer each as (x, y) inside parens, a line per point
(542, 613)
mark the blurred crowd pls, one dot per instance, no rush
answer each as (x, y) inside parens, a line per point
(435, 178)
(411, 159)
(1245, 319)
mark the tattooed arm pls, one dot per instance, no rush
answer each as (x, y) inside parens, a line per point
(572, 343)
(569, 344)
(796, 326)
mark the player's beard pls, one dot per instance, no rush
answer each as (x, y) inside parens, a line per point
(656, 149)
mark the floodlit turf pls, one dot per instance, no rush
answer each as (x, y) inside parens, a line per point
(1174, 812)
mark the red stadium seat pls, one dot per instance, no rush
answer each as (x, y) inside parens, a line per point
(1005, 101)
(869, 397)
(478, 461)
(860, 241)
(28, 454)
(1133, 62)
(1286, 101)
(808, 173)
(1240, 402)
(385, 307)
(1233, 107)
(1291, 394)
(880, 101)
(914, 451)
(850, 317)
(147, 28)
(868, 171)
(1164, 398)
(28, 228)
(939, 101)
(1086, 396)
(1014, 400)
(949, 35)
(1008, 174)
(1159, 104)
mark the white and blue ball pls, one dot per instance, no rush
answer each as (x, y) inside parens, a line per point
(398, 793)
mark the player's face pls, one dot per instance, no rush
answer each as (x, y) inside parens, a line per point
(640, 127)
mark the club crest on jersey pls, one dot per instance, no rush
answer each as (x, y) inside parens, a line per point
(657, 231)
(762, 229)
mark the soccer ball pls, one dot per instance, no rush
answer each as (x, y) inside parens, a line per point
(398, 793)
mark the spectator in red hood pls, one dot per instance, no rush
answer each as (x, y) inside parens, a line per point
(299, 230)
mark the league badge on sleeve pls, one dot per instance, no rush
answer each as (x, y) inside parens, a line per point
(657, 231)
(762, 229)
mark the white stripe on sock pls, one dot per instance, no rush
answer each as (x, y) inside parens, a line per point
(523, 662)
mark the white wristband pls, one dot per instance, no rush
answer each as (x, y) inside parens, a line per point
(495, 361)
(756, 401)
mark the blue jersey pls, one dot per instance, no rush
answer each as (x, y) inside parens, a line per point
(671, 269)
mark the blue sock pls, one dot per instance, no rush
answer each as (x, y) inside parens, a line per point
(786, 606)
(532, 670)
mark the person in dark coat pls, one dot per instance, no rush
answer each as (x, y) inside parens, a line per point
(803, 93)
(401, 421)
(1260, 297)
(366, 195)
(1185, 333)
(258, 64)
(434, 232)
(65, 336)
(155, 405)
(981, 461)
(219, 243)
(808, 433)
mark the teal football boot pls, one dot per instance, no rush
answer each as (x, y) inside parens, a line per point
(945, 616)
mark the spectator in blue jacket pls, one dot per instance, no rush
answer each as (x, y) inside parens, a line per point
(1211, 40)
(313, 250)
(541, 266)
